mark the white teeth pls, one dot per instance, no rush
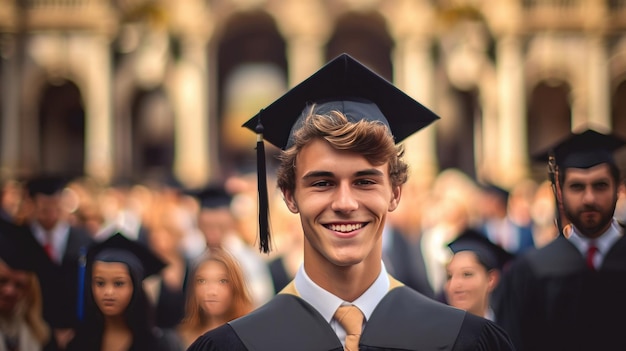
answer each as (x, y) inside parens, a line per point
(345, 228)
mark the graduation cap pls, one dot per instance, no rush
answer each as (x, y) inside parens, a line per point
(46, 185)
(491, 255)
(583, 150)
(213, 196)
(345, 85)
(495, 190)
(142, 262)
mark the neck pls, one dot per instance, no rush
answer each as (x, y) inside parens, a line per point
(115, 322)
(346, 282)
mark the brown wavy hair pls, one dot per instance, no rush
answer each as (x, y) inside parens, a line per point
(372, 139)
(193, 324)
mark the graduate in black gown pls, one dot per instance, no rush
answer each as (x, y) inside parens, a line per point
(556, 298)
(118, 314)
(342, 172)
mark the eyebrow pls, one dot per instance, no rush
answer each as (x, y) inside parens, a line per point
(321, 174)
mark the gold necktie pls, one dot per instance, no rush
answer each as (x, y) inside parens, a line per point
(351, 319)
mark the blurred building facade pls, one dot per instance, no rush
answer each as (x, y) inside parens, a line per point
(140, 88)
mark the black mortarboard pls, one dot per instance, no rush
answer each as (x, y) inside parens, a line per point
(20, 251)
(343, 84)
(117, 248)
(46, 185)
(583, 150)
(214, 196)
(490, 254)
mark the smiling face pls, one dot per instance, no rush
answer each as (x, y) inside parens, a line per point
(468, 283)
(112, 287)
(589, 199)
(343, 201)
(213, 289)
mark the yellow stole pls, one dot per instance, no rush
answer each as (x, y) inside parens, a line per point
(291, 287)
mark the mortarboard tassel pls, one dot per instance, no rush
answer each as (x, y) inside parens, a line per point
(264, 231)
(552, 172)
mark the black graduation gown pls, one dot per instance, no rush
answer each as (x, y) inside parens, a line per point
(550, 300)
(403, 320)
(60, 289)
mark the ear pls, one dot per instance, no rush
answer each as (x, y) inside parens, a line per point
(493, 278)
(396, 193)
(290, 201)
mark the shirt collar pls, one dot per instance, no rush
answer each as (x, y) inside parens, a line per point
(326, 303)
(603, 242)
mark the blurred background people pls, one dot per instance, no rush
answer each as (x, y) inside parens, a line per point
(473, 272)
(217, 294)
(217, 223)
(22, 326)
(118, 314)
(402, 241)
(513, 234)
(569, 294)
(64, 243)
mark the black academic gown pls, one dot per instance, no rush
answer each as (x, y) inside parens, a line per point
(60, 289)
(550, 300)
(403, 320)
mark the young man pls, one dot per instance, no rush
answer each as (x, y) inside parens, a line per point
(568, 294)
(64, 243)
(342, 172)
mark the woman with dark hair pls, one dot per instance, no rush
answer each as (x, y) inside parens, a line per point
(474, 272)
(118, 314)
(216, 294)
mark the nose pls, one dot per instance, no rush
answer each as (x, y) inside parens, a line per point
(344, 199)
(588, 196)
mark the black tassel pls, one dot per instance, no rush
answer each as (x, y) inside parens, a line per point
(264, 228)
(552, 173)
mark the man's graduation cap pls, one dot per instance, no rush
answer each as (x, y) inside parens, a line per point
(491, 255)
(213, 196)
(583, 150)
(141, 261)
(46, 185)
(345, 85)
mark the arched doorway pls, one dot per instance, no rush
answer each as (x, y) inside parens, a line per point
(61, 129)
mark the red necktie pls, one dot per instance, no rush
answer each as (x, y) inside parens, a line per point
(591, 252)
(48, 248)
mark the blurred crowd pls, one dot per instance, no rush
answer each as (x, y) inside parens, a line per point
(179, 225)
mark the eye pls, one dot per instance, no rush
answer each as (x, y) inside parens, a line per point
(468, 274)
(224, 281)
(364, 182)
(577, 187)
(99, 284)
(321, 183)
(601, 186)
(119, 284)
(200, 281)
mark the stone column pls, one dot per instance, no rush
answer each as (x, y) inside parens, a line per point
(513, 150)
(599, 85)
(96, 68)
(195, 147)
(413, 73)
(10, 106)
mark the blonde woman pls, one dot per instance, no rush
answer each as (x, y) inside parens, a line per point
(216, 294)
